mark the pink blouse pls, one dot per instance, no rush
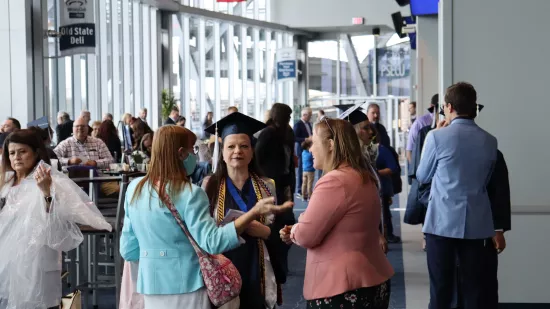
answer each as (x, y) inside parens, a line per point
(340, 230)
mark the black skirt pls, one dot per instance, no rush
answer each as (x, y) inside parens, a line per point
(376, 297)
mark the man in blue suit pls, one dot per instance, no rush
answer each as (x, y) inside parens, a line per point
(458, 159)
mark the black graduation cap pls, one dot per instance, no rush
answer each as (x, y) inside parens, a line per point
(479, 108)
(236, 123)
(41, 122)
(355, 116)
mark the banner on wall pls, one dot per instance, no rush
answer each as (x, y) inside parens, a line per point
(286, 59)
(77, 27)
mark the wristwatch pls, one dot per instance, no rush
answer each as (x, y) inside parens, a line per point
(48, 199)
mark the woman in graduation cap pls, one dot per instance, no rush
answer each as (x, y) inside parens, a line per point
(234, 188)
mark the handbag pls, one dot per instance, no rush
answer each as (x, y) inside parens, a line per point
(221, 278)
(72, 301)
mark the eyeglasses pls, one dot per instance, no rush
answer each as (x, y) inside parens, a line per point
(325, 120)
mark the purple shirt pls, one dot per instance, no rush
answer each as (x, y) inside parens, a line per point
(418, 124)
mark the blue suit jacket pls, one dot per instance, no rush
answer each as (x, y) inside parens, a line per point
(459, 161)
(168, 263)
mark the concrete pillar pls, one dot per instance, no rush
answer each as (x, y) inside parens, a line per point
(426, 61)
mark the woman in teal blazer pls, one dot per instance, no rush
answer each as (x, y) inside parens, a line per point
(169, 274)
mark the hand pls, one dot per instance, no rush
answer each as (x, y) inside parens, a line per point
(74, 161)
(499, 241)
(91, 163)
(43, 179)
(265, 207)
(383, 243)
(258, 230)
(441, 124)
(285, 234)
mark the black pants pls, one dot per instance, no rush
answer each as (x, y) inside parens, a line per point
(477, 276)
(388, 225)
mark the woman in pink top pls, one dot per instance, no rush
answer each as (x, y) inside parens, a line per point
(345, 267)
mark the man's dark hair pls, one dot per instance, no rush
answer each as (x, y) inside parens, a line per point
(463, 98)
(15, 123)
(413, 103)
(175, 109)
(435, 99)
(322, 112)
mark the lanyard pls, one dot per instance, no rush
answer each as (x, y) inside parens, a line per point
(238, 199)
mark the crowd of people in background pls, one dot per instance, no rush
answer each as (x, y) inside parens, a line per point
(251, 172)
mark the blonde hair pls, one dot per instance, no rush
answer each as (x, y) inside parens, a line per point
(347, 149)
(165, 167)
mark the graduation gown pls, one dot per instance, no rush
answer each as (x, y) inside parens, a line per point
(247, 256)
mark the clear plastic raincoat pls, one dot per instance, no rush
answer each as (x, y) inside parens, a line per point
(32, 238)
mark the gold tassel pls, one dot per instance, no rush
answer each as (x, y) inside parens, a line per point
(216, 153)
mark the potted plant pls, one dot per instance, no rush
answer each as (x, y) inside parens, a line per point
(168, 102)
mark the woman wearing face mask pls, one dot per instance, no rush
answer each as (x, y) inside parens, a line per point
(169, 275)
(236, 186)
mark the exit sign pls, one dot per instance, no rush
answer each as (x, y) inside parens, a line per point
(358, 20)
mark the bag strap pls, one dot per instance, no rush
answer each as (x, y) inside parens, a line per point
(175, 213)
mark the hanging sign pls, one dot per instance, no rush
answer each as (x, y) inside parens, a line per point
(286, 59)
(77, 27)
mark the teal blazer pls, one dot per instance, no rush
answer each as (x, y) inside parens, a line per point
(168, 263)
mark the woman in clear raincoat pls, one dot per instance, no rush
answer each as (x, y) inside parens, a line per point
(40, 210)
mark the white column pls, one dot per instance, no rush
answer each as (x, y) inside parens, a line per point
(230, 52)
(115, 58)
(279, 85)
(126, 80)
(202, 68)
(186, 78)
(77, 83)
(217, 72)
(91, 86)
(155, 97)
(244, 67)
(268, 70)
(257, 67)
(5, 61)
(138, 63)
(103, 65)
(15, 29)
(146, 48)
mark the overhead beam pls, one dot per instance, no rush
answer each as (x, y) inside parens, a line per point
(353, 63)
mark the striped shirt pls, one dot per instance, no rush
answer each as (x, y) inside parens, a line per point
(92, 149)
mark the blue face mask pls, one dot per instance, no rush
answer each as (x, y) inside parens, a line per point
(190, 163)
